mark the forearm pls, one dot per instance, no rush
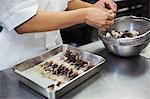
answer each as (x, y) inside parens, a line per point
(76, 4)
(48, 21)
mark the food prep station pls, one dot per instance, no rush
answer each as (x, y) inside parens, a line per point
(58, 70)
(119, 78)
(104, 75)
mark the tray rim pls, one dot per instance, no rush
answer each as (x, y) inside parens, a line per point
(102, 60)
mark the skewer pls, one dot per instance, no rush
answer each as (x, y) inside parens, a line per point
(70, 65)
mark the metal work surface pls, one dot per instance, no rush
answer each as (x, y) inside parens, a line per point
(120, 78)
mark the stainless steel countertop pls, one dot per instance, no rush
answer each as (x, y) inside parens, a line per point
(120, 78)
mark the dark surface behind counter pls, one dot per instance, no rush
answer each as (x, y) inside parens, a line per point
(1, 28)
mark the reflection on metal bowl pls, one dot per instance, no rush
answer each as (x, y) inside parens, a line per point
(128, 46)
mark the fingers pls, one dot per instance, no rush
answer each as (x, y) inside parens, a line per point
(112, 6)
(99, 18)
(107, 10)
(102, 29)
(108, 4)
(99, 4)
(110, 13)
(115, 7)
(110, 16)
(109, 23)
(105, 24)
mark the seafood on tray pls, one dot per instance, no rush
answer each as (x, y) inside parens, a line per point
(63, 67)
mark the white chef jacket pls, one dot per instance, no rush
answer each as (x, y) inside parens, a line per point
(16, 48)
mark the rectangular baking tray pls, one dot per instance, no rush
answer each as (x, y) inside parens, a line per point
(29, 64)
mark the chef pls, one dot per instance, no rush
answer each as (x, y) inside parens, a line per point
(30, 27)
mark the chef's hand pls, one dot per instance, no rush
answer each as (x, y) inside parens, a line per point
(108, 4)
(99, 18)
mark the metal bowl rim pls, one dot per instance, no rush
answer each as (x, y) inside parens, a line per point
(128, 39)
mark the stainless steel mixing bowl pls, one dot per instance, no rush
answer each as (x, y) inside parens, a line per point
(128, 46)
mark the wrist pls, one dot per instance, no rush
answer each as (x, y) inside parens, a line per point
(86, 14)
(83, 13)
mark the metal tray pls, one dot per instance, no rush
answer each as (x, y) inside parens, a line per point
(95, 59)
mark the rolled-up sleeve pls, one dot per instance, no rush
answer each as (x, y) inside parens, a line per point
(20, 12)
